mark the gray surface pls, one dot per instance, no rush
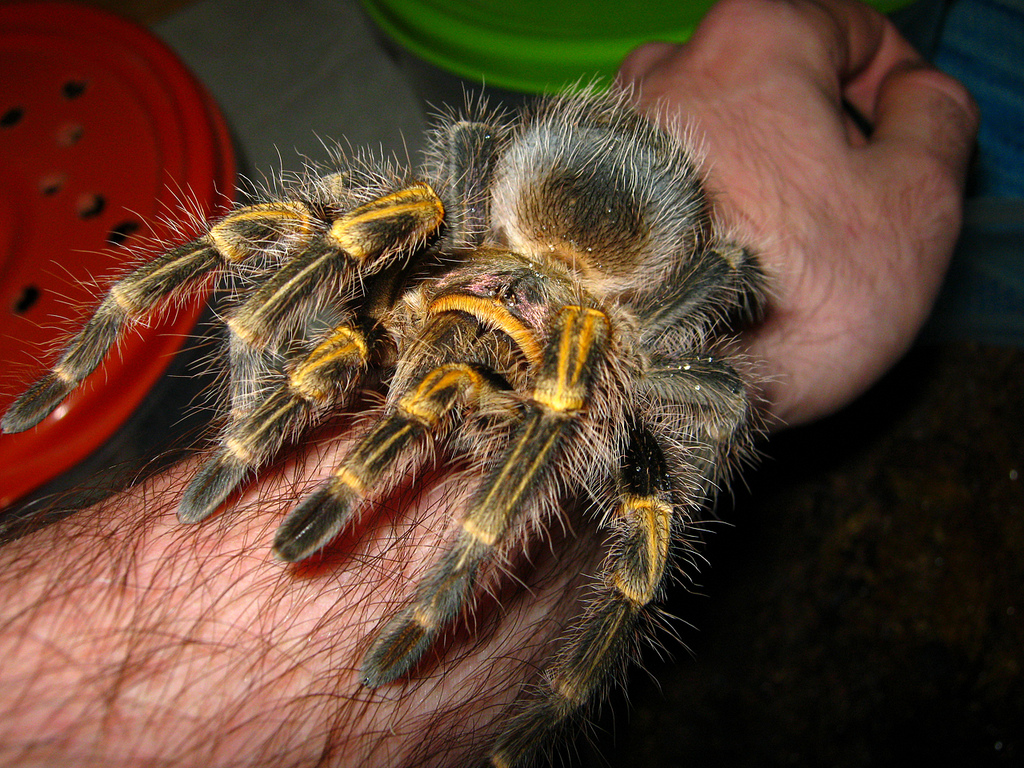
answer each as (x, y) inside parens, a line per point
(292, 78)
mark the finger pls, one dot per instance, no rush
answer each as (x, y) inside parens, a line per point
(817, 54)
(640, 61)
(831, 41)
(886, 53)
(921, 110)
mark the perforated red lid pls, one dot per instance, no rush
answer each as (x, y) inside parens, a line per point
(102, 133)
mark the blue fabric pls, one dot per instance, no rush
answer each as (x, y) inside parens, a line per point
(983, 296)
(981, 43)
(983, 46)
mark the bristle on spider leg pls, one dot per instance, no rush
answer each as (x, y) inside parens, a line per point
(321, 516)
(164, 275)
(747, 281)
(267, 313)
(254, 435)
(462, 156)
(318, 519)
(354, 242)
(36, 403)
(214, 482)
(568, 691)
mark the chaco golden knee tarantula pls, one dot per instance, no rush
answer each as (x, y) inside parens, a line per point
(547, 300)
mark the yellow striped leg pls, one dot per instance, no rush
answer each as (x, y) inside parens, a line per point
(233, 239)
(389, 225)
(254, 437)
(577, 345)
(601, 643)
(418, 412)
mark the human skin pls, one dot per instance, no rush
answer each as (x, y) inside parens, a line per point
(128, 639)
(856, 232)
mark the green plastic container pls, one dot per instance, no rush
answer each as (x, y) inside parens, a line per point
(533, 46)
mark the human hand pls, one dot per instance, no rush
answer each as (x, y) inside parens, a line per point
(855, 231)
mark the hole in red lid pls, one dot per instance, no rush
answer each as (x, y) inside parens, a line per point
(70, 134)
(11, 117)
(91, 206)
(120, 233)
(52, 183)
(72, 89)
(28, 298)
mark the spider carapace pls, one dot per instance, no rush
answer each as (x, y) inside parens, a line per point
(547, 299)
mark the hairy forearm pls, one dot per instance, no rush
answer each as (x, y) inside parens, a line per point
(130, 639)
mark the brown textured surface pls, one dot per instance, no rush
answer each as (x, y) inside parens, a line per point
(867, 607)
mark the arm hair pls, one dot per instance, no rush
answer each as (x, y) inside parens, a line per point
(129, 639)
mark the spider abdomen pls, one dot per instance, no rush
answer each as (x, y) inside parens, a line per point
(602, 191)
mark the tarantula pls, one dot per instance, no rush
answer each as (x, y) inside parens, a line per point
(547, 299)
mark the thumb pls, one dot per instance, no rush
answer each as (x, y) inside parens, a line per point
(922, 111)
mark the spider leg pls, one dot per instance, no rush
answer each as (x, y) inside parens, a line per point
(708, 411)
(231, 240)
(359, 242)
(353, 247)
(461, 157)
(690, 390)
(418, 412)
(286, 403)
(722, 276)
(253, 437)
(571, 358)
(601, 641)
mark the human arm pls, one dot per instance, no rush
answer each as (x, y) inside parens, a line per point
(129, 639)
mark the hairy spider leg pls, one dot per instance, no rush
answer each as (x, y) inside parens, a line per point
(251, 438)
(681, 391)
(576, 347)
(721, 283)
(600, 643)
(461, 157)
(646, 525)
(703, 389)
(233, 239)
(359, 242)
(307, 387)
(417, 413)
(355, 245)
(453, 368)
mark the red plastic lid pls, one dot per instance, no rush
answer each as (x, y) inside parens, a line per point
(103, 132)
